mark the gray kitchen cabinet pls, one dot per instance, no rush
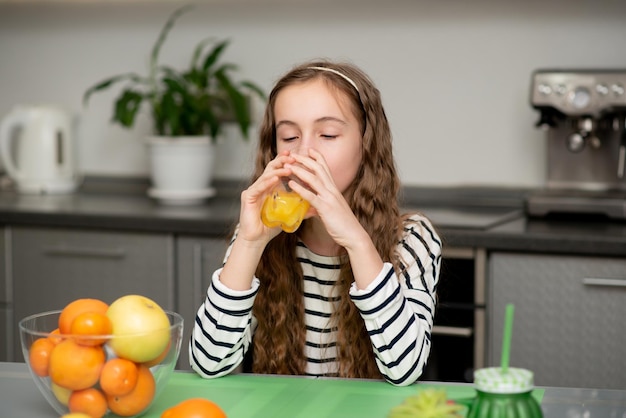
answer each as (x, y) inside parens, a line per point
(4, 298)
(197, 259)
(5, 346)
(4, 266)
(51, 267)
(569, 326)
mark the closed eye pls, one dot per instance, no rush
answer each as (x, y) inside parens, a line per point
(330, 136)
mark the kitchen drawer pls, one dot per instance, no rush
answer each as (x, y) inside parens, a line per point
(52, 267)
(569, 326)
(4, 267)
(198, 258)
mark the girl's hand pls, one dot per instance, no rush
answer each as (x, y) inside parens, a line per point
(251, 228)
(326, 199)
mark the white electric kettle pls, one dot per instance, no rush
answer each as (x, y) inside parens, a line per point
(37, 149)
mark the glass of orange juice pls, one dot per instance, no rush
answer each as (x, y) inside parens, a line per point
(284, 208)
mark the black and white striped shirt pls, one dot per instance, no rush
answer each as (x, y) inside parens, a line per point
(398, 311)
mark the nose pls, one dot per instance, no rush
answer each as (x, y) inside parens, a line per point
(299, 150)
(303, 146)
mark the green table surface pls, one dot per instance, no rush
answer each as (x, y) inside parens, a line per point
(253, 396)
(247, 396)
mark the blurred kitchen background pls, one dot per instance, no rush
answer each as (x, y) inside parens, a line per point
(454, 74)
(455, 77)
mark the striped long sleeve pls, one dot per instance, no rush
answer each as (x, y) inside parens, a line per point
(398, 310)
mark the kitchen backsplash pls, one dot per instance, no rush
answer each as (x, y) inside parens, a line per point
(454, 75)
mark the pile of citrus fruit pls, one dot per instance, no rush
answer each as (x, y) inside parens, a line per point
(95, 366)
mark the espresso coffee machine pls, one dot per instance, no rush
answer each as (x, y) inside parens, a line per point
(583, 113)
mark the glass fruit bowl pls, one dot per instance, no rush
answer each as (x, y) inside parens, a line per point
(85, 373)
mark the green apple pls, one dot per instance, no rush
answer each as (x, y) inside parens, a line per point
(141, 329)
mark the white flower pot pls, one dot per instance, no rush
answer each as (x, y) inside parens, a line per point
(181, 169)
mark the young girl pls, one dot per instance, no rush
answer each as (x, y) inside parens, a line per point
(351, 293)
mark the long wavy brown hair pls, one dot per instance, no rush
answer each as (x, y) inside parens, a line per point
(279, 338)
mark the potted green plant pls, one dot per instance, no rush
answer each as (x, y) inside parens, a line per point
(189, 109)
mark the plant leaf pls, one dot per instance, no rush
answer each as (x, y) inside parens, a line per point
(104, 84)
(254, 88)
(157, 119)
(212, 121)
(170, 114)
(126, 107)
(191, 102)
(214, 55)
(154, 56)
(225, 68)
(197, 52)
(169, 71)
(164, 31)
(174, 85)
(238, 100)
(197, 78)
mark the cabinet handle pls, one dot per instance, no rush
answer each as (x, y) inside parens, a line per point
(452, 331)
(593, 281)
(66, 251)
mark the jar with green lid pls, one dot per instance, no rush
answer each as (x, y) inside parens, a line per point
(503, 394)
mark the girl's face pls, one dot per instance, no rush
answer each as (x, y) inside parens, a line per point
(311, 115)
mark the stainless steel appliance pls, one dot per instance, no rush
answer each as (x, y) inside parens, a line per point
(584, 115)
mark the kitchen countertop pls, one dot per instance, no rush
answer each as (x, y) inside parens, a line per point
(20, 397)
(465, 217)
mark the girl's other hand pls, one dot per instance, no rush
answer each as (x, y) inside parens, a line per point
(251, 228)
(318, 187)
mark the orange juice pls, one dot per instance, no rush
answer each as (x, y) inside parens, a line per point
(285, 209)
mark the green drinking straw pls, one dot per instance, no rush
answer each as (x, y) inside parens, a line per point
(506, 339)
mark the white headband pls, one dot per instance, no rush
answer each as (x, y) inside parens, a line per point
(332, 70)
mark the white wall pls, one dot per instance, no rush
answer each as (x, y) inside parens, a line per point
(454, 74)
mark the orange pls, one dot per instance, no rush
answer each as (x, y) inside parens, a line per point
(55, 336)
(194, 408)
(118, 376)
(74, 366)
(137, 399)
(88, 401)
(75, 308)
(39, 356)
(91, 324)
